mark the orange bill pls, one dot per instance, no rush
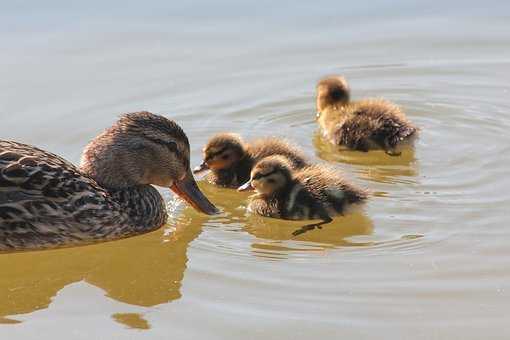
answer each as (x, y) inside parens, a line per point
(188, 190)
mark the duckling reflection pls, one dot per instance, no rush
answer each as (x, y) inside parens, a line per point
(144, 271)
(272, 234)
(376, 166)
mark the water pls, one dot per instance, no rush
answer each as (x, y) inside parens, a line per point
(428, 259)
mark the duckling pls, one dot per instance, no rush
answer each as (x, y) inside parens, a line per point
(313, 192)
(45, 201)
(362, 125)
(230, 159)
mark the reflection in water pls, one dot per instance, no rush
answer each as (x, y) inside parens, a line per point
(146, 270)
(276, 235)
(132, 320)
(272, 234)
(8, 321)
(374, 165)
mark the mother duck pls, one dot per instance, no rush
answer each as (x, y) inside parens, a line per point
(45, 201)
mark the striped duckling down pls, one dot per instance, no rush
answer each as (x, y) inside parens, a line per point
(313, 192)
(230, 159)
(361, 125)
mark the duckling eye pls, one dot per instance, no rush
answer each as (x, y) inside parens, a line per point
(224, 157)
(270, 180)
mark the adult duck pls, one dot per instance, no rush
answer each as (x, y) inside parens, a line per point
(45, 201)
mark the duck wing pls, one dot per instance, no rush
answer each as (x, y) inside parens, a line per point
(44, 198)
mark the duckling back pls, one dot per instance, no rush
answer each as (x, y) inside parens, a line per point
(330, 189)
(362, 125)
(273, 146)
(372, 123)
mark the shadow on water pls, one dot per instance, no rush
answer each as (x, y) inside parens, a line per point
(145, 271)
(374, 165)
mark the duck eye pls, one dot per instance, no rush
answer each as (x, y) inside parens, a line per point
(172, 146)
(270, 180)
(224, 157)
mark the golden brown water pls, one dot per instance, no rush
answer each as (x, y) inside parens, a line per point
(427, 259)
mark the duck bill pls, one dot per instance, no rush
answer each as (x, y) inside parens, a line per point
(201, 168)
(188, 190)
(245, 186)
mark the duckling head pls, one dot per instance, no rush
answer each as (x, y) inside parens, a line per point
(222, 151)
(269, 176)
(143, 148)
(332, 91)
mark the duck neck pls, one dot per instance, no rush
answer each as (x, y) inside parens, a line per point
(142, 208)
(133, 208)
(330, 117)
(280, 195)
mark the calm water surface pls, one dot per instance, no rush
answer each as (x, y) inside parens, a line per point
(427, 259)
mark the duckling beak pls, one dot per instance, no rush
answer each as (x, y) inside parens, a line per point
(188, 190)
(202, 167)
(245, 186)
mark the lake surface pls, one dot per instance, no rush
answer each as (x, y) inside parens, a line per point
(427, 259)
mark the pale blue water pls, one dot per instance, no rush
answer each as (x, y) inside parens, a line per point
(427, 260)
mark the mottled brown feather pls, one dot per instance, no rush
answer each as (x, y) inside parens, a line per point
(45, 201)
(48, 202)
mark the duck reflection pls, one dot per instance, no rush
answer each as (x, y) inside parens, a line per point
(131, 320)
(144, 271)
(374, 165)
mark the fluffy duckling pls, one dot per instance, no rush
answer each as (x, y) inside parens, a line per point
(361, 125)
(313, 192)
(230, 159)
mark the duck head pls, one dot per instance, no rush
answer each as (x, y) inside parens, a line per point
(143, 148)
